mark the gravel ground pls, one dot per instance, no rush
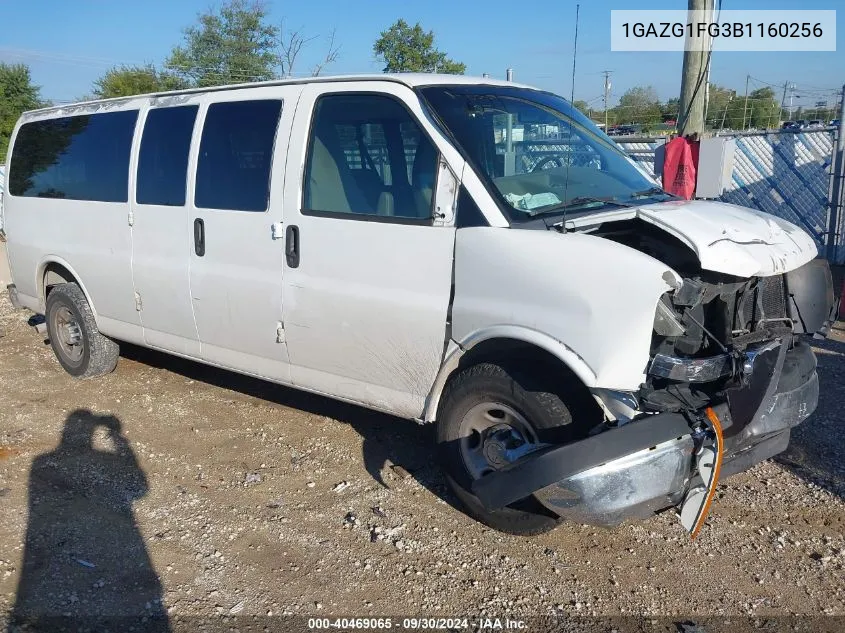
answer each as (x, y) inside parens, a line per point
(171, 489)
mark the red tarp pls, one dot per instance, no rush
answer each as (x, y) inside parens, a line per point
(679, 167)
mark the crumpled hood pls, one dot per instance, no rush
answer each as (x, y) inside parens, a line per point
(725, 237)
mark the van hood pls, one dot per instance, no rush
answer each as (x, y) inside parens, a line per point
(726, 238)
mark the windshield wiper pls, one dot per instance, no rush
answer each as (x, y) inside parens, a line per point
(649, 193)
(581, 201)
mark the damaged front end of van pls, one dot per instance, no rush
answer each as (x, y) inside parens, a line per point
(714, 386)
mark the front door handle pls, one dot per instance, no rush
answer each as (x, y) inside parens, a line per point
(292, 246)
(199, 237)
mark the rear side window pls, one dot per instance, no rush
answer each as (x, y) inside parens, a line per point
(163, 159)
(75, 158)
(236, 153)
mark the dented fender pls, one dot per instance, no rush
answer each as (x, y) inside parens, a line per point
(588, 300)
(456, 350)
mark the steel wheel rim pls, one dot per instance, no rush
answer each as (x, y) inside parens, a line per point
(486, 429)
(68, 335)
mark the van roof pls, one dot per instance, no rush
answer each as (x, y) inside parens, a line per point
(411, 80)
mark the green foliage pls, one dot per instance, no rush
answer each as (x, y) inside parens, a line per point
(135, 80)
(403, 48)
(717, 109)
(17, 95)
(229, 46)
(582, 106)
(640, 104)
(669, 110)
(764, 108)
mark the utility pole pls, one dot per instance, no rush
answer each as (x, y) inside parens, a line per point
(745, 107)
(606, 95)
(725, 113)
(696, 57)
(837, 186)
(791, 87)
(783, 98)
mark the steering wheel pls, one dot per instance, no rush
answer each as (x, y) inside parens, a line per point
(547, 160)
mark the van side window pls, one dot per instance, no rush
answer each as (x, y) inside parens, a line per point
(236, 153)
(468, 214)
(368, 156)
(163, 159)
(76, 158)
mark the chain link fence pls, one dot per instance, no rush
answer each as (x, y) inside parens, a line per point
(784, 173)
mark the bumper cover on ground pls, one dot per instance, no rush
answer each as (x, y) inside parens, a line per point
(646, 465)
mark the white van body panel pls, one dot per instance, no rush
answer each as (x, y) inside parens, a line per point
(236, 286)
(97, 240)
(365, 312)
(161, 240)
(726, 238)
(596, 298)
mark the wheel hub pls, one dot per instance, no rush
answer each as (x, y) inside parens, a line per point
(501, 446)
(67, 333)
(494, 435)
(71, 333)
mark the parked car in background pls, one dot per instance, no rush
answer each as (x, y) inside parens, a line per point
(622, 130)
(801, 123)
(589, 346)
(834, 123)
(815, 124)
(790, 125)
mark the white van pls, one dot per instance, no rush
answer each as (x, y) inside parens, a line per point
(590, 347)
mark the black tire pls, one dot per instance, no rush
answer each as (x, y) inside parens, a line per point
(536, 395)
(98, 354)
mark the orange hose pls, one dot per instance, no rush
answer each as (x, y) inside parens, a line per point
(717, 427)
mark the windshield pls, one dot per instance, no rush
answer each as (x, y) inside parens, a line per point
(538, 154)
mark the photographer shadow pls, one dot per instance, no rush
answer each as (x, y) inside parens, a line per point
(85, 564)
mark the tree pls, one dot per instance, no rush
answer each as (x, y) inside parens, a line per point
(291, 44)
(639, 105)
(669, 110)
(125, 81)
(582, 106)
(764, 108)
(229, 46)
(17, 95)
(403, 48)
(717, 106)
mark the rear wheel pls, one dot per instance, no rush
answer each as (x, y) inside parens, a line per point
(79, 347)
(490, 416)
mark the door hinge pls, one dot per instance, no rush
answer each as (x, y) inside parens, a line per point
(280, 332)
(131, 219)
(138, 304)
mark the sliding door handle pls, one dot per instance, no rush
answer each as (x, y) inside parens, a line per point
(292, 246)
(199, 237)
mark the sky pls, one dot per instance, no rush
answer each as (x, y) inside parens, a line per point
(70, 44)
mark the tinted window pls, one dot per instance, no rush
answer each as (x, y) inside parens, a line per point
(236, 152)
(468, 213)
(368, 156)
(77, 158)
(163, 159)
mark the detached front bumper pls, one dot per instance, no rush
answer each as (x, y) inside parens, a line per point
(647, 465)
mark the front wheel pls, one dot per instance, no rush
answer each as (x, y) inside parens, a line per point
(491, 415)
(79, 347)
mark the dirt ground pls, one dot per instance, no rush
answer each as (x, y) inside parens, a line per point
(171, 490)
